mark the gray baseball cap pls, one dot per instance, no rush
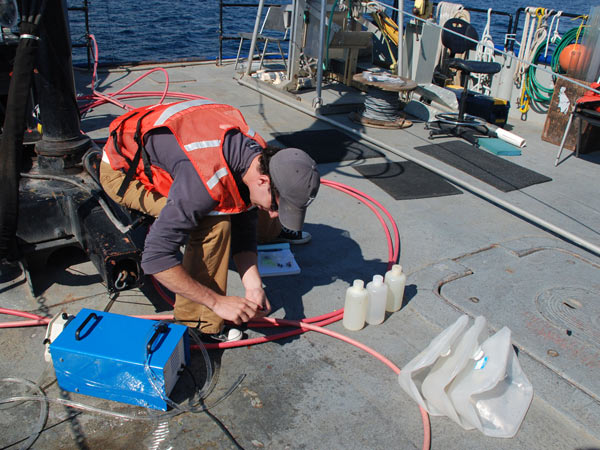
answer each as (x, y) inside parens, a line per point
(297, 180)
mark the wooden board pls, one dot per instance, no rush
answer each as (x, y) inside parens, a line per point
(563, 100)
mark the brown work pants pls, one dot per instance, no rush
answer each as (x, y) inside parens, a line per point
(206, 255)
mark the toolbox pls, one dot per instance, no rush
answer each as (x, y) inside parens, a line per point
(120, 358)
(492, 110)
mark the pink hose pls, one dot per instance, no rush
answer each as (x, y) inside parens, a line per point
(337, 315)
(312, 324)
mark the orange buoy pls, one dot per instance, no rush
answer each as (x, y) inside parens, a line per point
(571, 57)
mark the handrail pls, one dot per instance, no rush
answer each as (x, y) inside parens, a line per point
(516, 24)
(222, 36)
(88, 41)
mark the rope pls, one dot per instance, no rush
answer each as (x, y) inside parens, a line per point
(485, 52)
(382, 105)
(553, 35)
(535, 42)
(533, 89)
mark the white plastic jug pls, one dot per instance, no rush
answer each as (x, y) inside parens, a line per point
(493, 393)
(413, 374)
(396, 282)
(355, 306)
(446, 368)
(377, 300)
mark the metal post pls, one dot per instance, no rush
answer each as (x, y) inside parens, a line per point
(400, 64)
(62, 144)
(220, 59)
(318, 100)
(254, 34)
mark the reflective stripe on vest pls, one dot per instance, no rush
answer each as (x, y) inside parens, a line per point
(212, 182)
(202, 144)
(178, 107)
(199, 126)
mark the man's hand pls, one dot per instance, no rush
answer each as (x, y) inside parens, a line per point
(258, 296)
(248, 270)
(236, 309)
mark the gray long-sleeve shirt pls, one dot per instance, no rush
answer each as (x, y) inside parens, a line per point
(189, 201)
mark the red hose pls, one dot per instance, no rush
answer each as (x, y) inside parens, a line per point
(306, 326)
(337, 315)
(312, 324)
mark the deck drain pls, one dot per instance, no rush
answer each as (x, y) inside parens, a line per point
(575, 310)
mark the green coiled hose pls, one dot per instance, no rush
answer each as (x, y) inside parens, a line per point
(534, 88)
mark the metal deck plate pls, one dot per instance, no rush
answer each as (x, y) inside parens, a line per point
(539, 295)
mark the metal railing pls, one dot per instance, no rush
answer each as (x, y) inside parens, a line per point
(88, 42)
(223, 36)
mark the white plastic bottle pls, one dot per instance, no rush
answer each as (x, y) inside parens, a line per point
(355, 307)
(396, 282)
(377, 299)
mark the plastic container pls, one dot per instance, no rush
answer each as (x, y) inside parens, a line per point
(396, 282)
(446, 368)
(355, 307)
(492, 393)
(414, 373)
(377, 300)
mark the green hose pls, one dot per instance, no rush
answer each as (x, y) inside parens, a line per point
(536, 91)
(570, 37)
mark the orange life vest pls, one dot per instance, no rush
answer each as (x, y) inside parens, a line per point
(199, 127)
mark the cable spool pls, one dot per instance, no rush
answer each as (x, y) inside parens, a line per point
(381, 105)
(382, 102)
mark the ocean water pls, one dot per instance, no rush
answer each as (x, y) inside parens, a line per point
(160, 30)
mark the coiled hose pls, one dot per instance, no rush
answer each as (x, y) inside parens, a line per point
(536, 91)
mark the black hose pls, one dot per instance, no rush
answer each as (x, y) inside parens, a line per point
(14, 127)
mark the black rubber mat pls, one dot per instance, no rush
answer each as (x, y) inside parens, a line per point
(491, 169)
(407, 180)
(326, 146)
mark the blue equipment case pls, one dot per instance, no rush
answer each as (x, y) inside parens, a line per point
(104, 355)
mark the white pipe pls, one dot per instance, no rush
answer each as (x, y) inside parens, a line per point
(486, 195)
(507, 136)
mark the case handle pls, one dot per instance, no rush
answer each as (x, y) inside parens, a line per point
(87, 319)
(162, 328)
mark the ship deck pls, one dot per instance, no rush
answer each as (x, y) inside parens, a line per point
(527, 259)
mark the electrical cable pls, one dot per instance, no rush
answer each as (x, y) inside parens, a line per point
(380, 357)
(39, 426)
(104, 412)
(381, 105)
(158, 385)
(393, 255)
(314, 324)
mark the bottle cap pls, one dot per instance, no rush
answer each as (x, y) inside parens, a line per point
(377, 280)
(358, 284)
